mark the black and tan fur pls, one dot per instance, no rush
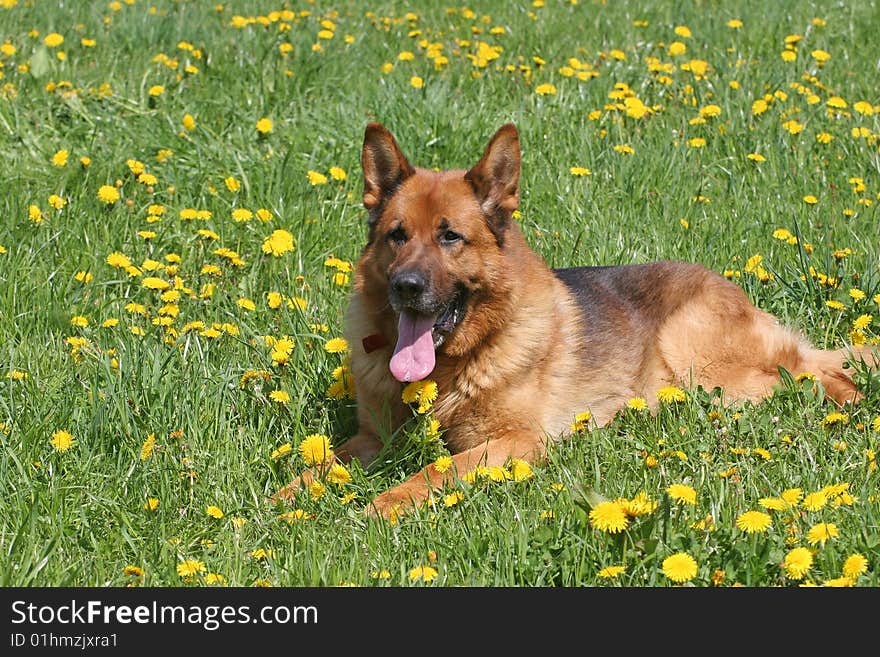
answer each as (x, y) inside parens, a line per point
(535, 346)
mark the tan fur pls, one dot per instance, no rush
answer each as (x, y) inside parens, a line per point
(529, 354)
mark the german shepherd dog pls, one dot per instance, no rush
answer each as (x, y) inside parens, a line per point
(447, 288)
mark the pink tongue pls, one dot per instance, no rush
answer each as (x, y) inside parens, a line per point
(413, 357)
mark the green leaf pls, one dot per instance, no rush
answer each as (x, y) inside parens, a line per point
(39, 64)
(586, 498)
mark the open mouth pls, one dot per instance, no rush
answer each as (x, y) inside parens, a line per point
(419, 336)
(449, 318)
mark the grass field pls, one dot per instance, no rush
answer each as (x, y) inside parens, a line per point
(181, 206)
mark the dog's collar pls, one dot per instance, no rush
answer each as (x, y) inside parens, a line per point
(374, 342)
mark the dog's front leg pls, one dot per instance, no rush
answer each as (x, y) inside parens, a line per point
(496, 452)
(363, 447)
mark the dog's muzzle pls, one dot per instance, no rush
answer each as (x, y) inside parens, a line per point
(410, 291)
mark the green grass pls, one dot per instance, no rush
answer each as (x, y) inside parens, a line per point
(78, 517)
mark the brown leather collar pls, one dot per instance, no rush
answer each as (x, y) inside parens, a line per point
(374, 342)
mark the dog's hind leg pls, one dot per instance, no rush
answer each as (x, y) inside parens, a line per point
(835, 369)
(719, 339)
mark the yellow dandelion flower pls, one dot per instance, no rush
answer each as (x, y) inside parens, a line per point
(316, 178)
(640, 505)
(62, 441)
(278, 243)
(280, 396)
(295, 515)
(281, 450)
(545, 89)
(763, 453)
(424, 392)
(793, 127)
(338, 474)
(862, 322)
(214, 511)
(264, 125)
(190, 567)
(609, 517)
(855, 565)
(520, 470)
(336, 346)
(682, 493)
(315, 449)
(453, 498)
(682, 31)
(151, 504)
(53, 40)
(424, 573)
(815, 501)
(753, 522)
(864, 107)
(797, 563)
(148, 446)
(637, 404)
(59, 159)
(671, 394)
(792, 496)
(609, 572)
(581, 420)
(443, 463)
(108, 194)
(835, 418)
(680, 567)
(215, 578)
(822, 532)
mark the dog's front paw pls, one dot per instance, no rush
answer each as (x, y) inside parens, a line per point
(298, 486)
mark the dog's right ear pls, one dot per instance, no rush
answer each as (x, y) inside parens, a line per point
(495, 179)
(384, 167)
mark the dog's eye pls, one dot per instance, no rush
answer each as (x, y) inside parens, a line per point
(398, 236)
(450, 237)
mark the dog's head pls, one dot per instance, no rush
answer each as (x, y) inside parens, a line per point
(436, 243)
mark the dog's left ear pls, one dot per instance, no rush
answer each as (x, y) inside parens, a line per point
(495, 179)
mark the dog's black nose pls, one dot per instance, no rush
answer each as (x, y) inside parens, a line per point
(409, 284)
